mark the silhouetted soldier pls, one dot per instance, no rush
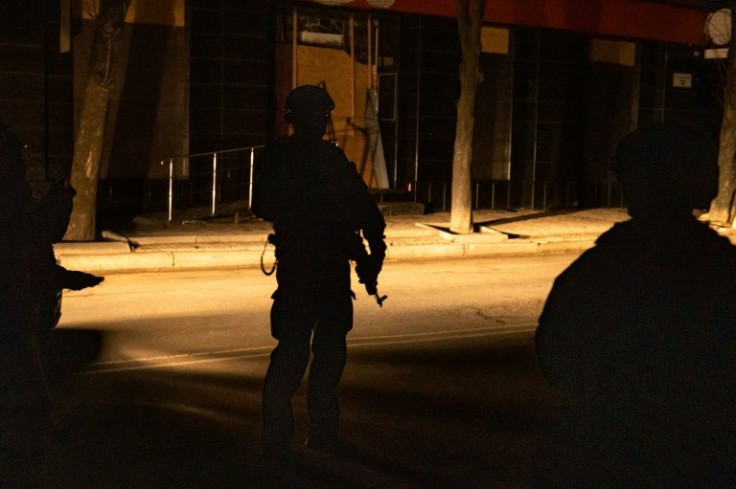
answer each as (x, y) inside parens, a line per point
(25, 417)
(29, 282)
(317, 204)
(640, 333)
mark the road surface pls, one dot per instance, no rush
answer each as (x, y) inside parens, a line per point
(157, 380)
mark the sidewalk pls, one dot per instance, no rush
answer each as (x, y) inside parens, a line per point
(150, 243)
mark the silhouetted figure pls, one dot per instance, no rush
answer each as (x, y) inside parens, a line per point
(317, 204)
(640, 333)
(30, 280)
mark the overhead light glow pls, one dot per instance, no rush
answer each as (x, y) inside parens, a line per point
(381, 3)
(334, 3)
(372, 3)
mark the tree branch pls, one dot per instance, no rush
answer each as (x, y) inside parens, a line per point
(461, 6)
(476, 18)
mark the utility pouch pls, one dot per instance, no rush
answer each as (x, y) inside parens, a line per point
(271, 239)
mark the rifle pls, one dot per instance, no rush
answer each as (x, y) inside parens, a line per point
(367, 267)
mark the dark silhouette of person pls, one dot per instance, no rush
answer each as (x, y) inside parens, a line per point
(30, 280)
(640, 333)
(317, 204)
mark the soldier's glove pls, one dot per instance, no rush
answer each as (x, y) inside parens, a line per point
(368, 267)
(367, 273)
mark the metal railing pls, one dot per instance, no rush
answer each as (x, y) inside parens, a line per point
(505, 194)
(213, 169)
(213, 174)
(485, 194)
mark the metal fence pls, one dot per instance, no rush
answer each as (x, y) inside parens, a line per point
(213, 177)
(507, 194)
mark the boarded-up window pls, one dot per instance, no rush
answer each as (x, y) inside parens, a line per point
(617, 52)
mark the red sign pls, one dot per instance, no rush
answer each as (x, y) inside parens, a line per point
(632, 19)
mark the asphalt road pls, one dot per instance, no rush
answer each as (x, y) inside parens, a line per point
(157, 380)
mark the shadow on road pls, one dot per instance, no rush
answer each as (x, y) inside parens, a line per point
(467, 413)
(155, 429)
(70, 350)
(463, 413)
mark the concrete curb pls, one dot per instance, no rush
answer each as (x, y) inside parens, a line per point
(118, 258)
(93, 248)
(118, 262)
(153, 245)
(417, 231)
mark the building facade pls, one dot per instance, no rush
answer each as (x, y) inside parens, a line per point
(563, 81)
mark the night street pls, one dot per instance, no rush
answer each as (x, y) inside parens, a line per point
(155, 154)
(158, 380)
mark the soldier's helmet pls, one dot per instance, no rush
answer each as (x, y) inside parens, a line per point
(666, 169)
(307, 100)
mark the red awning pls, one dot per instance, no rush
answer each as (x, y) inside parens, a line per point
(637, 19)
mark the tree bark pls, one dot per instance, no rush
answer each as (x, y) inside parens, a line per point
(470, 20)
(722, 211)
(90, 133)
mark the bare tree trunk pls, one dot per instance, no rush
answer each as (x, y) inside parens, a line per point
(90, 134)
(722, 210)
(469, 20)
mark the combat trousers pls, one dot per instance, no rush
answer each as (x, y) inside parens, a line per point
(306, 321)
